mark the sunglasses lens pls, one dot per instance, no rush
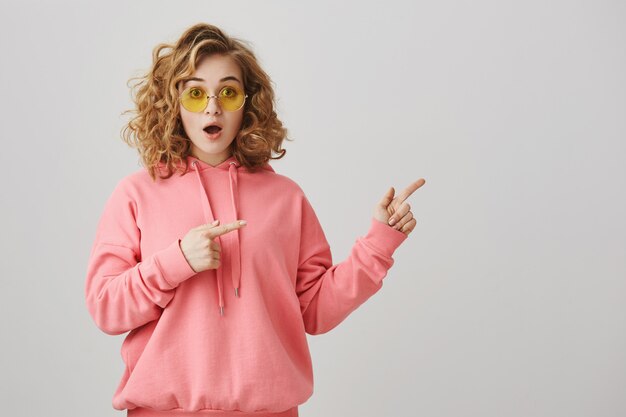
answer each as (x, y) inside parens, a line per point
(231, 98)
(194, 99)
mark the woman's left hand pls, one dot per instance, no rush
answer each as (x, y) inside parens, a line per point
(396, 208)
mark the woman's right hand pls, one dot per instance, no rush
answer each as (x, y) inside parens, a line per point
(199, 248)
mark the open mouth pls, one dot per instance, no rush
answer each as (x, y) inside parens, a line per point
(211, 130)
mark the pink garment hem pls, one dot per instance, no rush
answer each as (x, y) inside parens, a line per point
(148, 412)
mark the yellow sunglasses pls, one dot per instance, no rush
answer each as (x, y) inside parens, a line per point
(195, 99)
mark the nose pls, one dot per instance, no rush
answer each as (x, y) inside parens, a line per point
(213, 106)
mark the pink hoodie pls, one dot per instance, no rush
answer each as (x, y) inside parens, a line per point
(229, 341)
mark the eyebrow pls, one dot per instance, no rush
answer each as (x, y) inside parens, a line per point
(230, 77)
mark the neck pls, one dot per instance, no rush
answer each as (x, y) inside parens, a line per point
(212, 159)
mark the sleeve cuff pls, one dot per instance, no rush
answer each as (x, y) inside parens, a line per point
(174, 265)
(383, 237)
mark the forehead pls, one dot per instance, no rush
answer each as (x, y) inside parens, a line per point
(214, 69)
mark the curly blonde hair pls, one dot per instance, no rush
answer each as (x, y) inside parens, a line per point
(157, 131)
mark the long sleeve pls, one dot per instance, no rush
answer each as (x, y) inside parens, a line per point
(122, 290)
(329, 293)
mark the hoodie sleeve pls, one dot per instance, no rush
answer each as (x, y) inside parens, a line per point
(123, 291)
(329, 293)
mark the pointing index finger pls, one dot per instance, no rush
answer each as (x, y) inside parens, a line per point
(409, 190)
(225, 228)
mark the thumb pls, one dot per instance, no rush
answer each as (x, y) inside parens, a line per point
(214, 223)
(387, 198)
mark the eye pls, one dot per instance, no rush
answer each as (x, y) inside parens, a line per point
(229, 92)
(196, 93)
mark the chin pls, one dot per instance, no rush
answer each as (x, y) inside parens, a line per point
(216, 147)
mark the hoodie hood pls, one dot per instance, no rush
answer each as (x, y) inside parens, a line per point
(232, 165)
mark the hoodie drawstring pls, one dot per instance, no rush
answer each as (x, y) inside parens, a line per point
(208, 216)
(236, 258)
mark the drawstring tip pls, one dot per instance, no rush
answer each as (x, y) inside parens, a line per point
(237, 292)
(221, 311)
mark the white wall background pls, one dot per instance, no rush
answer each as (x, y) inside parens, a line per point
(508, 297)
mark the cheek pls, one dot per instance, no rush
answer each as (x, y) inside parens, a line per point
(184, 117)
(237, 120)
(187, 121)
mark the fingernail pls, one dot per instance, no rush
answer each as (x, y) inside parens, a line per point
(392, 221)
(243, 222)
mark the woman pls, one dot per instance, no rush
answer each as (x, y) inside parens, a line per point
(217, 310)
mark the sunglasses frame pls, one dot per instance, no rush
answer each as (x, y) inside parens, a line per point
(208, 98)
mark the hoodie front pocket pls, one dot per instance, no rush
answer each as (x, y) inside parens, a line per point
(135, 343)
(126, 347)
